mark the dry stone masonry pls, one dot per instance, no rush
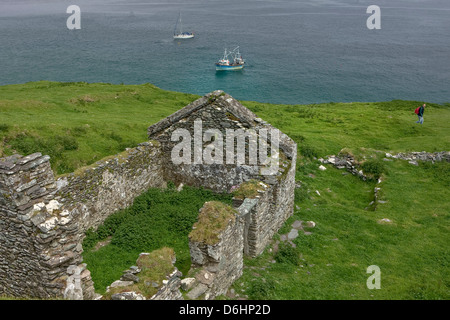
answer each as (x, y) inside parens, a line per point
(344, 161)
(219, 112)
(413, 157)
(43, 218)
(135, 284)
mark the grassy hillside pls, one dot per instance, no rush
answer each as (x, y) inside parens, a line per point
(79, 123)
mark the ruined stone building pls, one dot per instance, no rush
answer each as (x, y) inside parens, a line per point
(43, 218)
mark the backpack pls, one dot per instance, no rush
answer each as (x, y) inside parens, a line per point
(417, 110)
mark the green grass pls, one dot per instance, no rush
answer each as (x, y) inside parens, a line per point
(412, 252)
(389, 126)
(155, 267)
(79, 123)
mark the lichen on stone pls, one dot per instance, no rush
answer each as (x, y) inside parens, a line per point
(248, 189)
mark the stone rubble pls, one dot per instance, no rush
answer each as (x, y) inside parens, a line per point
(344, 161)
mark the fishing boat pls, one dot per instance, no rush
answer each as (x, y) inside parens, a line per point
(231, 60)
(179, 34)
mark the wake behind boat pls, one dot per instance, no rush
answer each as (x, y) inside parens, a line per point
(179, 34)
(231, 60)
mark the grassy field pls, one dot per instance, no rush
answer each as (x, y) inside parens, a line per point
(412, 252)
(79, 123)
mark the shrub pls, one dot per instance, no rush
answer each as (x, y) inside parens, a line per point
(308, 151)
(373, 168)
(90, 240)
(111, 224)
(170, 185)
(79, 130)
(139, 232)
(261, 289)
(4, 127)
(287, 254)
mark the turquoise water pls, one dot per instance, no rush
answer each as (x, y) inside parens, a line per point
(296, 52)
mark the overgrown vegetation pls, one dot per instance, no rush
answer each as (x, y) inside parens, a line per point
(154, 266)
(373, 168)
(157, 218)
(212, 220)
(248, 189)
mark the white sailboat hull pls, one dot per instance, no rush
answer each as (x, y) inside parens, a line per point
(183, 36)
(179, 34)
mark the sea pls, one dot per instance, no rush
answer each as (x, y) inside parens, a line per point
(296, 52)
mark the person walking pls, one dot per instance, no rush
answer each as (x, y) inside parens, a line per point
(420, 114)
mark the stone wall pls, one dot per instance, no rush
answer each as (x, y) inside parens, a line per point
(27, 262)
(413, 157)
(137, 283)
(267, 211)
(258, 217)
(220, 263)
(43, 221)
(345, 161)
(111, 184)
(219, 113)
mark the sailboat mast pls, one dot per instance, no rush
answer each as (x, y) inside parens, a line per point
(176, 25)
(178, 32)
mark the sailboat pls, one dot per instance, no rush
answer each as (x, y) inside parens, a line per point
(179, 34)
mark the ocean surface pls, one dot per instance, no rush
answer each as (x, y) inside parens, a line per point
(296, 52)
